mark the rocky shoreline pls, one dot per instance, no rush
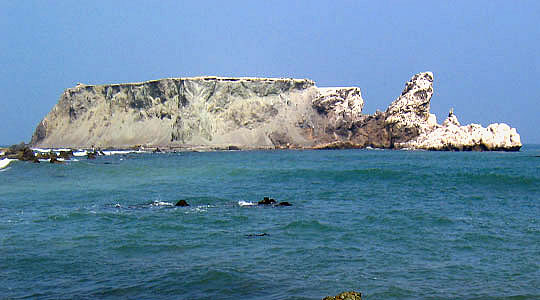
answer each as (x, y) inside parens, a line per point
(221, 113)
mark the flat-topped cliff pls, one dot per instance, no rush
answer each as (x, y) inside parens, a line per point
(254, 113)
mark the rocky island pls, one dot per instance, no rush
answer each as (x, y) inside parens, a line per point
(256, 113)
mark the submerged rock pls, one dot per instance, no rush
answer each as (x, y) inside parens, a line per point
(257, 234)
(266, 201)
(182, 203)
(345, 296)
(255, 113)
(273, 202)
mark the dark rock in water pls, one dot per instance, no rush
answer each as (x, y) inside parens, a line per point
(181, 203)
(16, 148)
(232, 147)
(54, 159)
(284, 203)
(20, 152)
(67, 155)
(339, 145)
(157, 150)
(266, 201)
(345, 296)
(257, 234)
(43, 155)
(91, 155)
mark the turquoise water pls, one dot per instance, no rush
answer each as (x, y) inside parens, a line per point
(390, 224)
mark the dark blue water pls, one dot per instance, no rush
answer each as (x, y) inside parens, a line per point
(390, 224)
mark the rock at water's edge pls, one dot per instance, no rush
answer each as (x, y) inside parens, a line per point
(450, 136)
(352, 295)
(256, 113)
(182, 203)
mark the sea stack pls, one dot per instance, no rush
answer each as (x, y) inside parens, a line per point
(255, 113)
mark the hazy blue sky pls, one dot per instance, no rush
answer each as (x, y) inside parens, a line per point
(484, 54)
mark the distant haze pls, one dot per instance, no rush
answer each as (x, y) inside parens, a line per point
(484, 54)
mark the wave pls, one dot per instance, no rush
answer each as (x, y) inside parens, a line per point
(310, 226)
(246, 203)
(80, 153)
(338, 175)
(500, 180)
(116, 152)
(5, 162)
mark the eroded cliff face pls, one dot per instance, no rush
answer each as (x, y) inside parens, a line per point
(216, 112)
(206, 111)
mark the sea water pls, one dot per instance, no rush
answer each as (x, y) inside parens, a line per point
(389, 224)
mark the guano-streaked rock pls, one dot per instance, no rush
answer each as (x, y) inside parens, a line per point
(255, 113)
(473, 137)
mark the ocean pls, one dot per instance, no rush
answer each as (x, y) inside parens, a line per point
(388, 224)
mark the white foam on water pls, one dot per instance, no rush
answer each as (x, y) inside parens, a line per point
(41, 150)
(203, 208)
(80, 153)
(108, 152)
(115, 152)
(5, 162)
(62, 149)
(2, 153)
(246, 203)
(161, 203)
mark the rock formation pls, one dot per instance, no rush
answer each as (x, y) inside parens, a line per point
(451, 136)
(255, 113)
(21, 152)
(352, 295)
(182, 203)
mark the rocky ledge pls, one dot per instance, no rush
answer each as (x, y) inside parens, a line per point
(352, 295)
(256, 113)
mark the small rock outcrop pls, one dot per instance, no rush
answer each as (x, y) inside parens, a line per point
(257, 234)
(182, 203)
(21, 152)
(451, 136)
(256, 113)
(266, 201)
(345, 296)
(54, 158)
(272, 202)
(92, 155)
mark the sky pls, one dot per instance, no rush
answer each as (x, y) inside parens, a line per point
(484, 54)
